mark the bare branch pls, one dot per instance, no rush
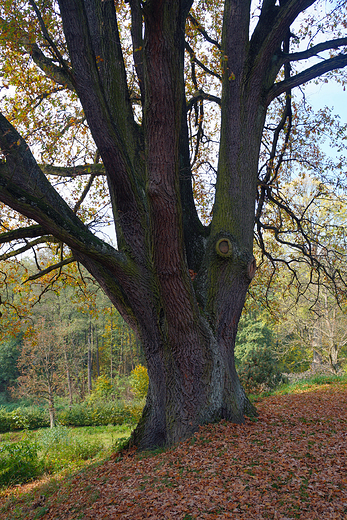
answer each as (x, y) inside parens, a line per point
(47, 37)
(28, 246)
(25, 232)
(50, 269)
(198, 62)
(337, 62)
(60, 75)
(202, 31)
(200, 94)
(84, 194)
(313, 51)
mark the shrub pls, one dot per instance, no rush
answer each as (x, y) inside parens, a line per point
(5, 420)
(77, 415)
(29, 418)
(139, 381)
(256, 362)
(19, 462)
(103, 389)
(22, 418)
(259, 370)
(99, 414)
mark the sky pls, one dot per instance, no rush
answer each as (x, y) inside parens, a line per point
(329, 94)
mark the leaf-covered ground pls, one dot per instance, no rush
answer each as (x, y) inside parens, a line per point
(290, 463)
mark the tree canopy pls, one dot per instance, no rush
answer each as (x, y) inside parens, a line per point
(127, 105)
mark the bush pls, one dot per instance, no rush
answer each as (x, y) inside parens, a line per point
(256, 362)
(19, 462)
(22, 418)
(139, 381)
(99, 414)
(5, 420)
(29, 418)
(103, 389)
(259, 370)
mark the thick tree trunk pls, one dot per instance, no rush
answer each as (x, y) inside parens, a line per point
(194, 385)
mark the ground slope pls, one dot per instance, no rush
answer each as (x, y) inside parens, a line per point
(291, 463)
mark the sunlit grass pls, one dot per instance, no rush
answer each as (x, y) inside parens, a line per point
(27, 455)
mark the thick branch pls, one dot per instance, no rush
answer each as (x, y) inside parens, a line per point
(313, 51)
(200, 94)
(272, 27)
(73, 171)
(136, 35)
(92, 36)
(25, 188)
(26, 232)
(60, 75)
(315, 71)
(29, 245)
(47, 36)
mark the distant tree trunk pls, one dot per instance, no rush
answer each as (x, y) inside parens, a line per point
(317, 359)
(97, 356)
(51, 407)
(68, 376)
(121, 352)
(90, 357)
(132, 366)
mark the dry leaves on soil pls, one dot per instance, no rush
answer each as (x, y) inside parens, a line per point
(291, 463)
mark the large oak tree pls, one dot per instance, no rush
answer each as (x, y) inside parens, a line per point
(181, 285)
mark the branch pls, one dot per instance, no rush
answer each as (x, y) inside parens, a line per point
(271, 30)
(136, 35)
(73, 171)
(47, 36)
(84, 193)
(198, 62)
(60, 75)
(96, 55)
(200, 94)
(50, 269)
(313, 51)
(203, 31)
(308, 255)
(338, 62)
(28, 246)
(25, 188)
(26, 232)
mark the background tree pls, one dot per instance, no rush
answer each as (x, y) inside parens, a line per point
(38, 364)
(179, 284)
(9, 353)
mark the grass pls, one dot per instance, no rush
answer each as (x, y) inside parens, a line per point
(27, 455)
(310, 383)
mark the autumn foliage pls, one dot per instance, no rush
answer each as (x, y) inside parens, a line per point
(290, 463)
